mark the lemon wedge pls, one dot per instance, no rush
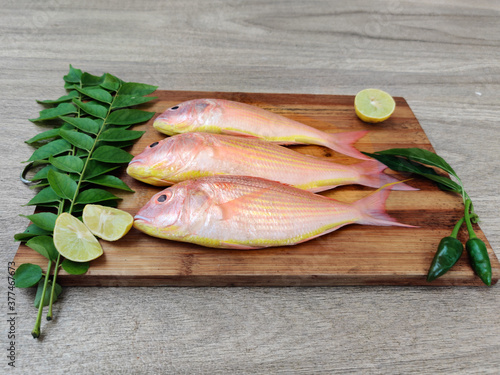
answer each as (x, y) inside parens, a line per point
(74, 241)
(373, 105)
(107, 223)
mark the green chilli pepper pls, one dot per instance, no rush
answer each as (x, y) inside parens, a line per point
(477, 251)
(449, 251)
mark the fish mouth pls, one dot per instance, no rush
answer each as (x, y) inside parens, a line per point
(138, 171)
(142, 218)
(163, 126)
(135, 161)
(159, 123)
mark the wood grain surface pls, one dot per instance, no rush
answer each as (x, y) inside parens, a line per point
(441, 56)
(354, 255)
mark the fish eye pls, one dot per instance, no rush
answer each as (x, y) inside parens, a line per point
(153, 144)
(162, 198)
(174, 108)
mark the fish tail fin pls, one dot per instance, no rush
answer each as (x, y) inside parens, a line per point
(343, 143)
(372, 209)
(371, 173)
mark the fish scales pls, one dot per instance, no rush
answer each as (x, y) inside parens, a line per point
(234, 118)
(270, 156)
(247, 212)
(193, 155)
(257, 217)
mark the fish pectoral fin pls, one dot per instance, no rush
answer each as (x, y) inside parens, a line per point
(231, 208)
(238, 133)
(228, 209)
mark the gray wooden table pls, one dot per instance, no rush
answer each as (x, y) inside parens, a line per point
(442, 56)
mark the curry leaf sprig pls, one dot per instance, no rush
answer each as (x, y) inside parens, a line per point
(421, 161)
(74, 160)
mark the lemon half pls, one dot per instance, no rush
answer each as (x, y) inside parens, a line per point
(107, 223)
(74, 241)
(373, 105)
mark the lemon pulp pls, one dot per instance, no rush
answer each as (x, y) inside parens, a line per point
(107, 223)
(74, 241)
(373, 105)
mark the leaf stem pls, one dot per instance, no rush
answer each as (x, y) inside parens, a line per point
(467, 219)
(457, 227)
(52, 292)
(74, 80)
(87, 159)
(36, 330)
(60, 209)
(73, 200)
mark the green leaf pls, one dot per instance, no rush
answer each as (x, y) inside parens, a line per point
(27, 275)
(421, 156)
(68, 163)
(136, 89)
(53, 113)
(110, 82)
(94, 196)
(52, 133)
(122, 101)
(44, 245)
(43, 184)
(44, 220)
(44, 196)
(70, 86)
(65, 98)
(77, 139)
(99, 122)
(92, 108)
(97, 94)
(401, 164)
(62, 184)
(81, 153)
(120, 135)
(129, 116)
(91, 80)
(73, 76)
(48, 292)
(118, 144)
(110, 181)
(42, 173)
(75, 268)
(52, 148)
(30, 232)
(110, 154)
(85, 124)
(444, 183)
(96, 168)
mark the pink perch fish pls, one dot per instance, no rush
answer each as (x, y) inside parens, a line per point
(234, 118)
(193, 155)
(240, 212)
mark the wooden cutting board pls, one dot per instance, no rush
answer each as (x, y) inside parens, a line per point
(353, 255)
